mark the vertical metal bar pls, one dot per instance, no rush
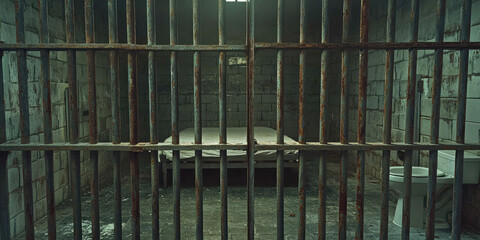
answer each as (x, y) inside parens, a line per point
(92, 115)
(409, 120)
(4, 204)
(250, 5)
(152, 85)
(322, 165)
(197, 79)
(47, 117)
(387, 119)
(280, 122)
(461, 111)
(435, 119)
(325, 35)
(174, 109)
(133, 106)
(362, 117)
(115, 101)
(222, 100)
(73, 113)
(301, 126)
(24, 119)
(344, 120)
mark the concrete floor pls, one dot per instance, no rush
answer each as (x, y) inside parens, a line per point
(265, 207)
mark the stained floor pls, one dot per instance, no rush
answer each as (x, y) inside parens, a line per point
(265, 207)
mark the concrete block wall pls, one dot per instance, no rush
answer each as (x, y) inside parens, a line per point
(375, 88)
(59, 83)
(265, 92)
(265, 69)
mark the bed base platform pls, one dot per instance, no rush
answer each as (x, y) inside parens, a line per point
(234, 162)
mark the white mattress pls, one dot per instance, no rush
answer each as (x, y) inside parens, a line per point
(235, 135)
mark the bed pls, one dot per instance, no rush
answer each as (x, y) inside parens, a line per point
(235, 158)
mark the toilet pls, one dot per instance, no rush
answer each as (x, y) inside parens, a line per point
(445, 179)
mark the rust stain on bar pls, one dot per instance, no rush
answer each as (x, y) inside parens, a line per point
(92, 115)
(344, 114)
(280, 122)
(362, 114)
(301, 128)
(133, 123)
(222, 100)
(197, 78)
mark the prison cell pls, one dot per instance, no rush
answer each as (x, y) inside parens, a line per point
(250, 47)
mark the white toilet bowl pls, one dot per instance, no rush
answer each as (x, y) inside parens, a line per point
(445, 179)
(418, 194)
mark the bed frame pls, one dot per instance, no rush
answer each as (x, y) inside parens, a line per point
(234, 162)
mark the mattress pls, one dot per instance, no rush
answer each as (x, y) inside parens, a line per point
(235, 135)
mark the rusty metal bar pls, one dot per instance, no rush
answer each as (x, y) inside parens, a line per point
(387, 119)
(222, 111)
(344, 122)
(119, 47)
(47, 117)
(280, 121)
(197, 102)
(466, 13)
(133, 106)
(301, 127)
(73, 115)
(24, 119)
(124, 147)
(92, 115)
(152, 86)
(250, 7)
(239, 48)
(174, 109)
(322, 165)
(308, 146)
(362, 117)
(410, 119)
(4, 203)
(435, 119)
(370, 45)
(115, 101)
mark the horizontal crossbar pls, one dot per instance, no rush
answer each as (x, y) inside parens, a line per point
(119, 47)
(293, 46)
(124, 147)
(310, 146)
(371, 45)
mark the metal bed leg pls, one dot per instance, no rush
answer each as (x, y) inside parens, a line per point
(163, 170)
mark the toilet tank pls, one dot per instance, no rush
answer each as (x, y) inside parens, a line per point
(471, 165)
